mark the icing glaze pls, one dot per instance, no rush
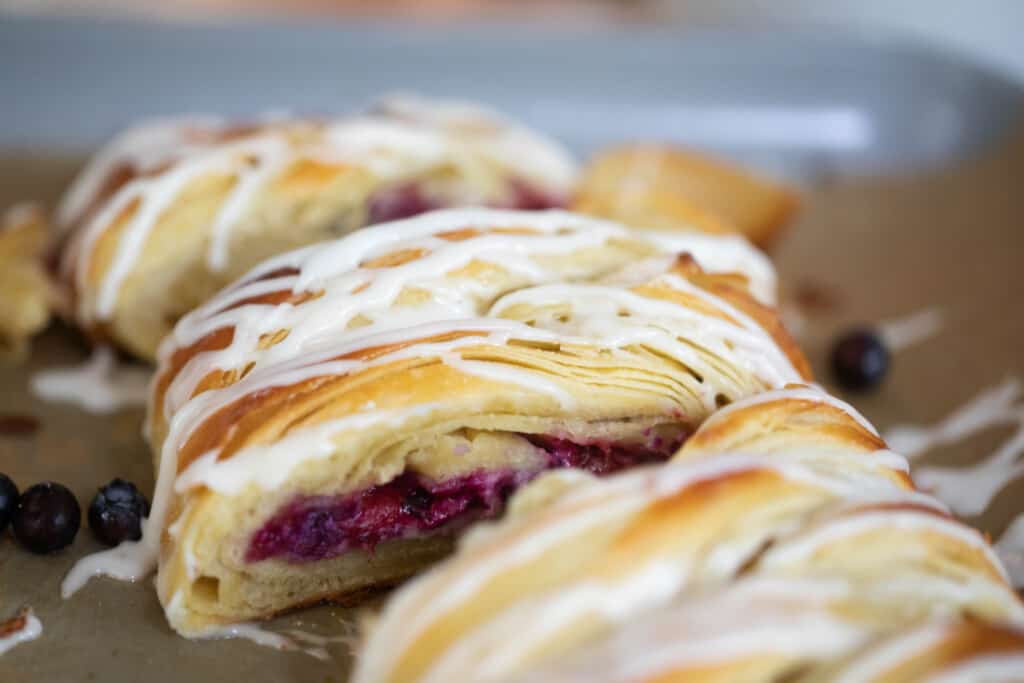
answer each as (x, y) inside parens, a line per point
(755, 616)
(812, 393)
(995, 668)
(1010, 550)
(403, 137)
(411, 612)
(901, 333)
(290, 641)
(99, 385)
(32, 629)
(969, 489)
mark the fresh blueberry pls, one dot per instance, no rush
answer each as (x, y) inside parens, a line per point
(860, 360)
(47, 518)
(8, 500)
(116, 513)
(417, 500)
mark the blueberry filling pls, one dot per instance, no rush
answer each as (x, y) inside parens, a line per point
(410, 199)
(321, 527)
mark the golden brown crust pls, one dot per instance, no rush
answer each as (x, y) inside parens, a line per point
(669, 188)
(782, 543)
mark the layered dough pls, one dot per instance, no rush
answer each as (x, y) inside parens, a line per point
(171, 211)
(782, 542)
(325, 425)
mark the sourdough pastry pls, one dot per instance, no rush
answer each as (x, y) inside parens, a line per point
(27, 296)
(668, 188)
(171, 211)
(783, 542)
(327, 423)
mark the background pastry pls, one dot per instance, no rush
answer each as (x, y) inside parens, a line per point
(171, 211)
(324, 425)
(782, 541)
(27, 295)
(670, 188)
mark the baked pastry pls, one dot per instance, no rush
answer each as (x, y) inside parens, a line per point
(783, 542)
(326, 424)
(27, 295)
(171, 211)
(799, 632)
(669, 188)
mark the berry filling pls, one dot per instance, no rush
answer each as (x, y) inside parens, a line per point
(321, 527)
(410, 199)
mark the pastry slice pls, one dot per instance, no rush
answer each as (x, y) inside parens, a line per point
(330, 422)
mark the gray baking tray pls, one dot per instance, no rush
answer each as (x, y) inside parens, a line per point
(910, 160)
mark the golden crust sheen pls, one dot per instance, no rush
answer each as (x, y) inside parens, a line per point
(781, 541)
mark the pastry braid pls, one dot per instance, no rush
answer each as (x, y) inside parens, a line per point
(782, 542)
(662, 187)
(171, 211)
(326, 424)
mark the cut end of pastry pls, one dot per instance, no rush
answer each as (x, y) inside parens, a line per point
(307, 548)
(28, 297)
(668, 188)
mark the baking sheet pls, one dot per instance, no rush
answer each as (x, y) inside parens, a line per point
(939, 230)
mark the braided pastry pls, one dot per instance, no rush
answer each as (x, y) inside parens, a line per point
(171, 211)
(327, 423)
(783, 542)
(25, 305)
(662, 187)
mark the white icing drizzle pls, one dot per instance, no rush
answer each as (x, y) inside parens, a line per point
(1010, 550)
(145, 146)
(901, 333)
(800, 549)
(762, 615)
(802, 393)
(32, 629)
(968, 490)
(994, 406)
(880, 659)
(99, 385)
(288, 641)
(269, 157)
(404, 137)
(993, 668)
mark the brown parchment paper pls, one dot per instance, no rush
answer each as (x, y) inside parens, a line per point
(871, 249)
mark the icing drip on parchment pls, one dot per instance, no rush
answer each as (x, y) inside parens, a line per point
(1010, 550)
(399, 137)
(292, 640)
(901, 333)
(98, 386)
(30, 629)
(969, 489)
